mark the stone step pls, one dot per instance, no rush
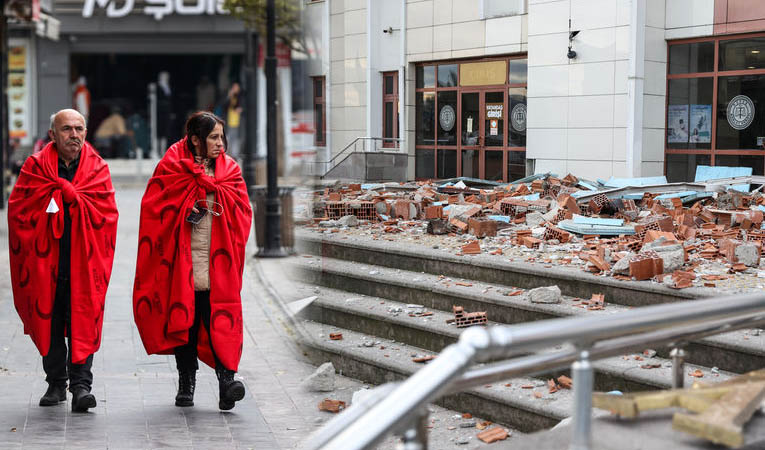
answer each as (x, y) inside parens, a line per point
(380, 318)
(488, 268)
(736, 352)
(387, 361)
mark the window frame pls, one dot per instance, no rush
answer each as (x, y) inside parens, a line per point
(390, 98)
(319, 101)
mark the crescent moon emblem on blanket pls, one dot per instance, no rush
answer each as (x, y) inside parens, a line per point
(45, 316)
(17, 249)
(24, 279)
(145, 240)
(181, 307)
(42, 253)
(100, 225)
(143, 300)
(222, 252)
(167, 208)
(155, 181)
(224, 313)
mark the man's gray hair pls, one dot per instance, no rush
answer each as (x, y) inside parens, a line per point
(53, 117)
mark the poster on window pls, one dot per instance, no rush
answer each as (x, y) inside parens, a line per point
(700, 124)
(677, 124)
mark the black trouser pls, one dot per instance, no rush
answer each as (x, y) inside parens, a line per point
(57, 363)
(186, 355)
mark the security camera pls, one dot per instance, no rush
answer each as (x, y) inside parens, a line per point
(388, 30)
(572, 34)
(571, 54)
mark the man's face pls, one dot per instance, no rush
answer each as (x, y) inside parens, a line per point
(68, 134)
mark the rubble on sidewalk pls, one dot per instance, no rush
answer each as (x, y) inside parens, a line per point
(678, 234)
(322, 380)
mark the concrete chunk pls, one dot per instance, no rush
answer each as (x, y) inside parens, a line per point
(348, 221)
(546, 294)
(748, 254)
(322, 380)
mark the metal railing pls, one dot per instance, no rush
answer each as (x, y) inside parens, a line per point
(401, 407)
(358, 145)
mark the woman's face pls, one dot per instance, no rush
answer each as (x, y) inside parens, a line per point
(214, 142)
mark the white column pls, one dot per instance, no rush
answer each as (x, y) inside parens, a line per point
(635, 80)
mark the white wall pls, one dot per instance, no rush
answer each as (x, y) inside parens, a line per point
(384, 56)
(689, 18)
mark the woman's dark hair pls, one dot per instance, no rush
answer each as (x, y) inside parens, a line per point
(201, 124)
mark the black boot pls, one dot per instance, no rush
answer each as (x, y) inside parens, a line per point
(82, 400)
(187, 381)
(231, 390)
(54, 395)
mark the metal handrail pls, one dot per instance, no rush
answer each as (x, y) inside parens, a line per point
(354, 145)
(399, 410)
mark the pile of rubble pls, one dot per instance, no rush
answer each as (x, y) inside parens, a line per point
(626, 229)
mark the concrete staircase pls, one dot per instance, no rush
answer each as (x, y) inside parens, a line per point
(365, 287)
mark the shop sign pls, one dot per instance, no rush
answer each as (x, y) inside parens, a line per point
(740, 112)
(493, 127)
(495, 111)
(19, 100)
(446, 118)
(483, 73)
(156, 8)
(518, 117)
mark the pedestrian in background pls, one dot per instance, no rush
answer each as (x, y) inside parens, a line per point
(62, 225)
(194, 224)
(232, 109)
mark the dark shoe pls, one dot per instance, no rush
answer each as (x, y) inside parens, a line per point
(231, 390)
(187, 381)
(54, 395)
(82, 400)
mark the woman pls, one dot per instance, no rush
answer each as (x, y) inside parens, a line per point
(195, 220)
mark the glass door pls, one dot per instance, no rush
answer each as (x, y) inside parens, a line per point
(471, 139)
(494, 112)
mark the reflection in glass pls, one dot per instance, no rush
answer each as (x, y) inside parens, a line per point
(470, 125)
(740, 112)
(518, 71)
(689, 113)
(447, 118)
(690, 58)
(424, 163)
(494, 127)
(426, 76)
(425, 106)
(447, 163)
(493, 165)
(742, 54)
(319, 122)
(683, 167)
(447, 75)
(388, 120)
(517, 117)
(470, 163)
(389, 85)
(516, 165)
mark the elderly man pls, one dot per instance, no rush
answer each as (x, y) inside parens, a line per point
(62, 225)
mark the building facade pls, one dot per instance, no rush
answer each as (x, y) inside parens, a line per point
(498, 89)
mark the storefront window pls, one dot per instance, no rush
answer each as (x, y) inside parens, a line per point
(447, 118)
(682, 167)
(447, 163)
(493, 165)
(469, 116)
(692, 58)
(425, 107)
(518, 71)
(426, 76)
(742, 54)
(470, 163)
(517, 120)
(425, 163)
(715, 108)
(741, 112)
(689, 114)
(447, 75)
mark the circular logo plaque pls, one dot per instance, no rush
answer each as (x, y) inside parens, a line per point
(740, 112)
(446, 118)
(518, 117)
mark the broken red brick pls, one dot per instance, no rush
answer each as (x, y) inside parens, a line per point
(473, 248)
(697, 373)
(463, 319)
(333, 406)
(565, 382)
(335, 336)
(423, 359)
(493, 435)
(527, 386)
(552, 386)
(482, 228)
(434, 212)
(458, 224)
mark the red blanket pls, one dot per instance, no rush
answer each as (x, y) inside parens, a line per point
(34, 234)
(163, 294)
